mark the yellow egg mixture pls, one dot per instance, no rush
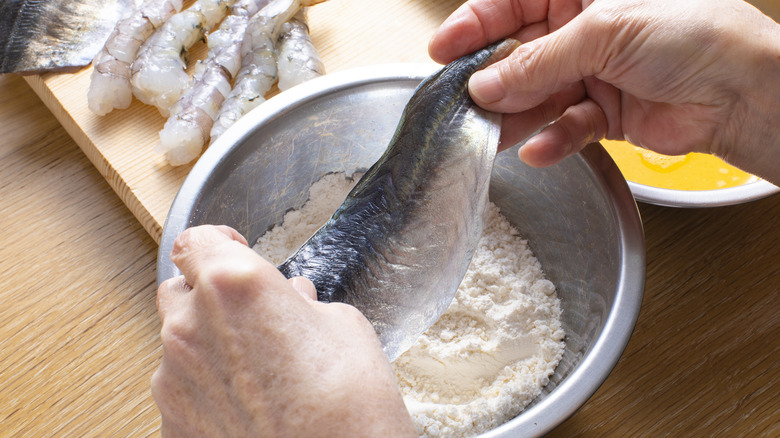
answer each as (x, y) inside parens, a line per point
(693, 171)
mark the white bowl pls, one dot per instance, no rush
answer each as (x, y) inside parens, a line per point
(703, 198)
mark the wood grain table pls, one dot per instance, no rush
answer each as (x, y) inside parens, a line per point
(79, 331)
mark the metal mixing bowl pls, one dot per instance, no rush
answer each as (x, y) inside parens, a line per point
(579, 216)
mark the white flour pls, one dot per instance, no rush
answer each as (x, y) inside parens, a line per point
(493, 350)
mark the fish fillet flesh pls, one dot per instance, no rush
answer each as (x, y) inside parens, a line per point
(400, 244)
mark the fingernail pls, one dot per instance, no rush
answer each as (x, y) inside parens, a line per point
(485, 86)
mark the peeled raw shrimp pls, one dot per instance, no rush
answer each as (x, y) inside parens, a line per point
(258, 68)
(298, 58)
(159, 74)
(109, 85)
(183, 136)
(256, 76)
(187, 129)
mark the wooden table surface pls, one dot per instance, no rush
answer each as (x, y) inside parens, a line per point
(79, 330)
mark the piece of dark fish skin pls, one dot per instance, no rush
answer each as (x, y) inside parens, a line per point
(55, 35)
(400, 244)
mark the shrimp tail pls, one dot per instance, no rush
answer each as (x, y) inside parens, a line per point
(299, 60)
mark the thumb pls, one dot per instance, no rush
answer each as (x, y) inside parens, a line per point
(538, 69)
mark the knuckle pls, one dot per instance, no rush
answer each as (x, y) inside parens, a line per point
(167, 392)
(518, 69)
(232, 275)
(177, 337)
(594, 120)
(159, 386)
(584, 123)
(182, 242)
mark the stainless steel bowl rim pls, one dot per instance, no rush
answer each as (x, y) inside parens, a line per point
(598, 362)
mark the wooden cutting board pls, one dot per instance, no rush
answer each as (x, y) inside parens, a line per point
(348, 34)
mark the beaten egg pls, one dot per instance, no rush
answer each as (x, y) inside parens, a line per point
(693, 171)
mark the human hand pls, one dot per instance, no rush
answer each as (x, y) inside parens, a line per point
(248, 353)
(674, 77)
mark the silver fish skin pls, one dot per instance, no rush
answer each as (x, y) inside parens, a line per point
(55, 35)
(400, 244)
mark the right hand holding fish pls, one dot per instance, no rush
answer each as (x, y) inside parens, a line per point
(693, 76)
(248, 353)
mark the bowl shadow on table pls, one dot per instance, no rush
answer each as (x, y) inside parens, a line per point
(579, 217)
